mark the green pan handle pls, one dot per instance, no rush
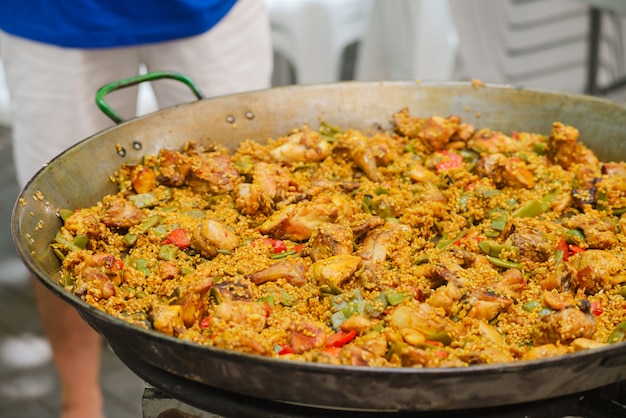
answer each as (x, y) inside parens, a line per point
(131, 81)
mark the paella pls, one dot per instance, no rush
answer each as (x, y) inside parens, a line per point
(435, 244)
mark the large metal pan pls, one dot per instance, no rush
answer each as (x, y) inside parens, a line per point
(80, 176)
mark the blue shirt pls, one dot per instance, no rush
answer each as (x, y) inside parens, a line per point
(109, 23)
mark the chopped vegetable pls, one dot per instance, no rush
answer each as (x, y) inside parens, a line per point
(179, 238)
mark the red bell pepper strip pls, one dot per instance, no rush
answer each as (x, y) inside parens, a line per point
(179, 238)
(119, 264)
(563, 248)
(596, 308)
(448, 160)
(206, 322)
(278, 246)
(575, 249)
(340, 338)
(287, 349)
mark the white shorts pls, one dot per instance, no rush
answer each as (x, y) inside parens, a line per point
(53, 89)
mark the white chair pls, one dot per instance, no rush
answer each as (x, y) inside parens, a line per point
(542, 44)
(312, 35)
(407, 40)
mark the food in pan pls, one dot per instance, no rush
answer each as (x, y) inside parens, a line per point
(434, 245)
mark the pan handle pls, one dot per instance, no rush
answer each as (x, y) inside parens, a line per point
(131, 81)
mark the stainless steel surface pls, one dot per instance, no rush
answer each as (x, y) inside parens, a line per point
(77, 178)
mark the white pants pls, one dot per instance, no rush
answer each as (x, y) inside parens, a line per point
(53, 89)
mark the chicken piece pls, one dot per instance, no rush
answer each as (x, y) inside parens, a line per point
(249, 199)
(101, 270)
(335, 270)
(420, 174)
(463, 132)
(292, 272)
(505, 171)
(210, 236)
(362, 153)
(173, 168)
(248, 315)
(273, 182)
(511, 284)
(307, 335)
(544, 351)
(121, 213)
(493, 142)
(487, 356)
(377, 243)
(436, 131)
(362, 227)
(423, 318)
(213, 173)
(229, 290)
(358, 323)
(565, 150)
(376, 248)
(84, 222)
(302, 147)
(532, 244)
(580, 344)
(330, 240)
(356, 356)
(96, 284)
(297, 222)
(446, 296)
(564, 327)
(599, 233)
(142, 178)
(559, 301)
(191, 300)
(167, 270)
(430, 193)
(593, 270)
(167, 319)
(487, 305)
(560, 278)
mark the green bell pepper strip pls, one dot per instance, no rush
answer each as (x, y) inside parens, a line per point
(129, 239)
(395, 297)
(504, 263)
(531, 305)
(618, 335)
(60, 239)
(140, 264)
(540, 148)
(574, 236)
(65, 213)
(441, 336)
(143, 200)
(445, 242)
(494, 250)
(80, 241)
(529, 210)
(168, 252)
(151, 222)
(499, 221)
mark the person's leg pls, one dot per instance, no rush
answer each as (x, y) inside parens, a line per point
(52, 97)
(234, 56)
